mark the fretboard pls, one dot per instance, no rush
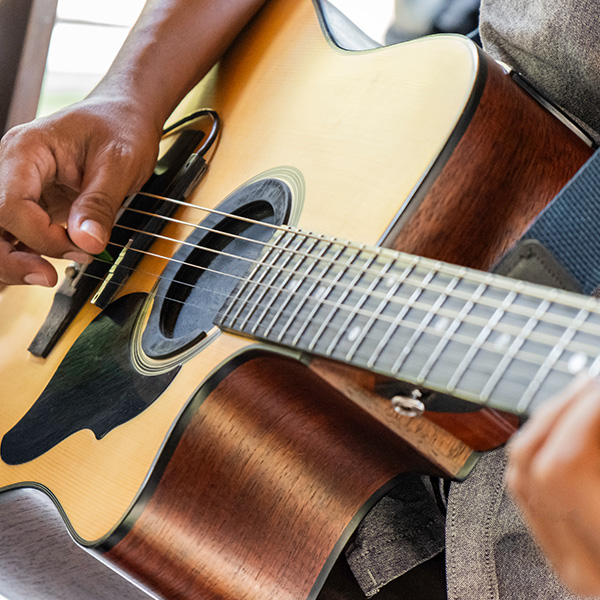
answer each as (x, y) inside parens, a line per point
(477, 336)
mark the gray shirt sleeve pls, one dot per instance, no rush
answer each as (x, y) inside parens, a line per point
(555, 44)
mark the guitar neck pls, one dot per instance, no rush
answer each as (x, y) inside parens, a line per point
(477, 336)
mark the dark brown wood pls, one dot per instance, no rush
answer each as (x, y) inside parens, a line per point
(512, 160)
(439, 446)
(446, 439)
(263, 484)
(481, 430)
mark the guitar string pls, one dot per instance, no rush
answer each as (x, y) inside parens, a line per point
(462, 338)
(522, 356)
(458, 294)
(504, 328)
(473, 276)
(433, 286)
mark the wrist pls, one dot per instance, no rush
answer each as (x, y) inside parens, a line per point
(129, 104)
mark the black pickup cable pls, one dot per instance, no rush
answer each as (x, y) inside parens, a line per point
(193, 116)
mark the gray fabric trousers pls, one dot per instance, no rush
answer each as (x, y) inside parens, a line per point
(490, 554)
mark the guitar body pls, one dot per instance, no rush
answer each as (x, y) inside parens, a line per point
(245, 476)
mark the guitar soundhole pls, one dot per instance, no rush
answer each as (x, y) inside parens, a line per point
(209, 264)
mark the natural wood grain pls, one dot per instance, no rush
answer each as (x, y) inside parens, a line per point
(439, 446)
(448, 440)
(480, 430)
(262, 485)
(279, 94)
(513, 159)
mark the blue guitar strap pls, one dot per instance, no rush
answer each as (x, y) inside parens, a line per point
(562, 247)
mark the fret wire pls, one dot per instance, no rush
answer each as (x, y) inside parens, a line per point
(551, 319)
(297, 285)
(366, 327)
(286, 279)
(375, 315)
(399, 316)
(321, 301)
(480, 340)
(423, 324)
(551, 360)
(513, 350)
(263, 277)
(567, 299)
(512, 330)
(393, 289)
(542, 338)
(351, 313)
(244, 285)
(594, 369)
(524, 355)
(508, 284)
(521, 311)
(466, 309)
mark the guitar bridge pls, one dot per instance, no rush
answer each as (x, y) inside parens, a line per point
(176, 173)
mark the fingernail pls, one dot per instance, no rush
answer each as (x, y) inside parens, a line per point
(95, 230)
(78, 257)
(37, 279)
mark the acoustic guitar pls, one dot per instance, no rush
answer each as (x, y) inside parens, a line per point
(217, 429)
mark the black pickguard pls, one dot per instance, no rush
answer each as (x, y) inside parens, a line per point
(96, 387)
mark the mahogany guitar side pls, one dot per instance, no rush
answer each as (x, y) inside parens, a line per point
(263, 489)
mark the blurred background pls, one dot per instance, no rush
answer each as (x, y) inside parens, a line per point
(97, 29)
(81, 38)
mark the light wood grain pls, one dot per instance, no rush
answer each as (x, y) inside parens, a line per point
(362, 128)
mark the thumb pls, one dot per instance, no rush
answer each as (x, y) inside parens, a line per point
(92, 214)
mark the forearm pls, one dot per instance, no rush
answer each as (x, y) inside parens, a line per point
(171, 47)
